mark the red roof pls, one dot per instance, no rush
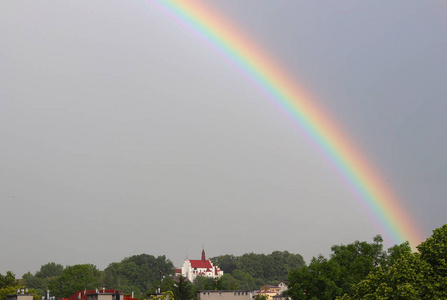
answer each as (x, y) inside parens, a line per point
(200, 264)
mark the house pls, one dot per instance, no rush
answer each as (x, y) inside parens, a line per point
(283, 286)
(272, 292)
(22, 294)
(204, 267)
(224, 295)
(100, 294)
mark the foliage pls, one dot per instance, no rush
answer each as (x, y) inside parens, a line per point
(164, 296)
(318, 280)
(261, 297)
(75, 278)
(347, 266)
(50, 270)
(8, 280)
(420, 275)
(12, 289)
(139, 273)
(251, 270)
(202, 283)
(9, 285)
(225, 282)
(167, 284)
(183, 289)
(356, 260)
(41, 279)
(244, 280)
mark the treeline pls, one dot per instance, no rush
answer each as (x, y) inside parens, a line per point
(140, 274)
(365, 271)
(359, 270)
(252, 271)
(144, 274)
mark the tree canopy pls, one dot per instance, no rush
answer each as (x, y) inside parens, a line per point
(9, 285)
(139, 273)
(348, 265)
(420, 275)
(75, 278)
(254, 270)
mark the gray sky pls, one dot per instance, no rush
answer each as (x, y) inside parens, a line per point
(122, 133)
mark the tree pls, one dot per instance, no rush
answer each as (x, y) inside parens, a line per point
(245, 280)
(226, 282)
(9, 285)
(261, 297)
(39, 284)
(140, 273)
(347, 266)
(50, 270)
(167, 284)
(420, 275)
(203, 283)
(10, 290)
(253, 270)
(75, 278)
(9, 279)
(356, 260)
(316, 281)
(227, 263)
(41, 279)
(183, 289)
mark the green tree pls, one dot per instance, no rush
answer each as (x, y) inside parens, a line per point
(42, 278)
(10, 290)
(50, 270)
(167, 284)
(356, 260)
(261, 297)
(228, 263)
(420, 275)
(226, 282)
(245, 280)
(7, 280)
(254, 270)
(39, 284)
(183, 289)
(347, 266)
(406, 279)
(203, 283)
(140, 273)
(316, 281)
(75, 278)
(10, 285)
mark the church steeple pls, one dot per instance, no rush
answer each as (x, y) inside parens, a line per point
(203, 255)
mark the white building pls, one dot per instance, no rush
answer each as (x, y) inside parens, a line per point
(203, 267)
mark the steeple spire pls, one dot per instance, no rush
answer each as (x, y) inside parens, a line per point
(203, 254)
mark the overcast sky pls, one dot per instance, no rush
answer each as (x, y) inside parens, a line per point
(123, 133)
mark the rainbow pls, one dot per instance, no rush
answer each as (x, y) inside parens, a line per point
(386, 209)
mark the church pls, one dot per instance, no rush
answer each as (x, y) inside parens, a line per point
(204, 267)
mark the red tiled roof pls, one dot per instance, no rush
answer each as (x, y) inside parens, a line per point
(200, 264)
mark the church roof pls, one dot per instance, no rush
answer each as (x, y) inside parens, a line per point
(201, 264)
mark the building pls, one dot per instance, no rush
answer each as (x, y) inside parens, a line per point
(204, 267)
(100, 294)
(283, 286)
(22, 294)
(224, 295)
(272, 292)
